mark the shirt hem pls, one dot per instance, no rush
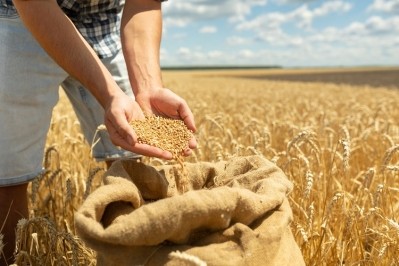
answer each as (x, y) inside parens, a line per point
(19, 180)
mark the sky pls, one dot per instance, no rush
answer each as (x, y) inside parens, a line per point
(287, 33)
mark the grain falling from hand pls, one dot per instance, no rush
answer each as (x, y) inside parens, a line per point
(169, 135)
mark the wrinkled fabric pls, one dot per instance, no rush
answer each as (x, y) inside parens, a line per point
(235, 212)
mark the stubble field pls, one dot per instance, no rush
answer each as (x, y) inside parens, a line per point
(336, 140)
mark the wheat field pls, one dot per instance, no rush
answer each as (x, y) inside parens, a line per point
(337, 143)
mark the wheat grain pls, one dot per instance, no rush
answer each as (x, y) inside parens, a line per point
(392, 168)
(36, 184)
(310, 217)
(169, 135)
(34, 244)
(301, 136)
(309, 184)
(389, 139)
(383, 249)
(88, 185)
(388, 154)
(377, 195)
(305, 160)
(330, 206)
(48, 157)
(40, 242)
(68, 190)
(394, 225)
(368, 178)
(302, 232)
(346, 154)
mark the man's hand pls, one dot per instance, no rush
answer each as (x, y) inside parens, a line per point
(118, 112)
(164, 102)
(141, 31)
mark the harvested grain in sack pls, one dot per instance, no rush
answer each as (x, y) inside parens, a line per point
(235, 213)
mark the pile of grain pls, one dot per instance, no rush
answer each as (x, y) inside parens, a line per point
(169, 135)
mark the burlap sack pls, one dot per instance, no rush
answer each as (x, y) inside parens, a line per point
(235, 213)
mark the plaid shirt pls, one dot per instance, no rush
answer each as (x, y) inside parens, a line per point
(98, 21)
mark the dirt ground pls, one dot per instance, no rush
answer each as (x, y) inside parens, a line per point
(387, 77)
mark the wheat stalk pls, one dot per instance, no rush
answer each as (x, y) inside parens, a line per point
(271, 119)
(1, 245)
(388, 154)
(309, 184)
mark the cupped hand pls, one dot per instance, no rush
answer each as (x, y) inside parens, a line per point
(120, 110)
(164, 102)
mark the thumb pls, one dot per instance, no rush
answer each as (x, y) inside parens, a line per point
(121, 133)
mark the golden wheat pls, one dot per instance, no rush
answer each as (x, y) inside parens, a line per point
(337, 143)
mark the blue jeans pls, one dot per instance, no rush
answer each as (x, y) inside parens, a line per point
(29, 83)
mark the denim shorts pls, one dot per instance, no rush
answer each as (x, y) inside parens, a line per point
(29, 84)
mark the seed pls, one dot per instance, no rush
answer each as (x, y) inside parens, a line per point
(167, 134)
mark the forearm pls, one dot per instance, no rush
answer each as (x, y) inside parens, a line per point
(141, 37)
(61, 40)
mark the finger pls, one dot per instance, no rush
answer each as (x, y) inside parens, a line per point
(138, 148)
(187, 152)
(192, 143)
(187, 116)
(126, 142)
(125, 131)
(152, 151)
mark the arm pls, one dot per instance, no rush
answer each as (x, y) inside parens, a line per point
(61, 40)
(53, 30)
(141, 31)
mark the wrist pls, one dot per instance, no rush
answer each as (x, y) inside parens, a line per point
(109, 94)
(146, 81)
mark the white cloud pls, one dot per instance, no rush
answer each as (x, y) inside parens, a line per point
(361, 42)
(247, 54)
(374, 32)
(179, 36)
(184, 51)
(330, 7)
(302, 16)
(283, 2)
(265, 22)
(181, 12)
(389, 6)
(187, 56)
(208, 29)
(214, 54)
(378, 25)
(373, 26)
(273, 39)
(236, 40)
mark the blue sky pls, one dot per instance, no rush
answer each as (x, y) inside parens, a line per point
(288, 33)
